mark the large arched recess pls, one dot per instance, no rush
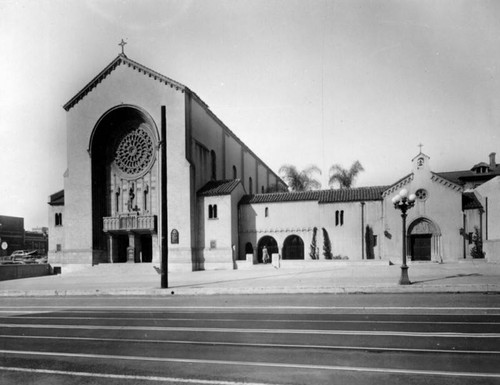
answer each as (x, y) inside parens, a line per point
(107, 133)
(271, 245)
(424, 240)
(293, 247)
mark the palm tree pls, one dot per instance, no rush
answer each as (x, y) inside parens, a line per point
(345, 178)
(300, 181)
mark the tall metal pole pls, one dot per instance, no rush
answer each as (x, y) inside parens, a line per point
(164, 200)
(404, 280)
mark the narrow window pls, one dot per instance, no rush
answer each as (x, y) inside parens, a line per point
(337, 218)
(145, 203)
(235, 173)
(262, 190)
(215, 211)
(266, 212)
(214, 164)
(210, 212)
(117, 195)
(250, 185)
(58, 247)
(342, 218)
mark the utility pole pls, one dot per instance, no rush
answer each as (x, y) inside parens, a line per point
(164, 200)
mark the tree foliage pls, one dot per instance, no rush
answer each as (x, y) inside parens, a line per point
(314, 249)
(300, 180)
(370, 242)
(344, 177)
(477, 249)
(327, 245)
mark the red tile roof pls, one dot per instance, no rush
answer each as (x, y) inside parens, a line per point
(218, 187)
(470, 201)
(322, 196)
(57, 199)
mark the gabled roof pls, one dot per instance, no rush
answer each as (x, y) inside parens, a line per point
(460, 177)
(122, 60)
(57, 199)
(358, 194)
(218, 187)
(281, 197)
(399, 184)
(470, 201)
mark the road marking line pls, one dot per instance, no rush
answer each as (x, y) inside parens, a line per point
(241, 330)
(130, 377)
(297, 346)
(256, 307)
(265, 364)
(260, 320)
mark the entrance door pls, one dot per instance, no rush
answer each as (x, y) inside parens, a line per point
(121, 249)
(421, 247)
(147, 248)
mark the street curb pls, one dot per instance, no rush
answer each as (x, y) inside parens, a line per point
(415, 289)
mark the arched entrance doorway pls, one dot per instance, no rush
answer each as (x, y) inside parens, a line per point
(424, 240)
(293, 248)
(271, 245)
(124, 177)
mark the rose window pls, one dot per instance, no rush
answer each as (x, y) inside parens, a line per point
(134, 153)
(421, 194)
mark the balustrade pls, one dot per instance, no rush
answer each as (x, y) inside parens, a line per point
(130, 222)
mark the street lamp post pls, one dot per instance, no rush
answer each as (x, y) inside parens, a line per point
(404, 202)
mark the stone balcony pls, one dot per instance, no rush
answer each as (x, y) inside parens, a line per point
(130, 223)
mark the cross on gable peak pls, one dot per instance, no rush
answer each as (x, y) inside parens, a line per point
(122, 44)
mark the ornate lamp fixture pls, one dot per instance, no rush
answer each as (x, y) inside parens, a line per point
(404, 202)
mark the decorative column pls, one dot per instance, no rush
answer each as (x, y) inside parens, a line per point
(404, 203)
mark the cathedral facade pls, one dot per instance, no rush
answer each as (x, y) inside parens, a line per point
(110, 209)
(223, 204)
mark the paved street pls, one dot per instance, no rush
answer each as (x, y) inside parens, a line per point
(272, 339)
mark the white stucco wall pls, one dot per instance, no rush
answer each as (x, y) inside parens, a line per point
(490, 199)
(124, 86)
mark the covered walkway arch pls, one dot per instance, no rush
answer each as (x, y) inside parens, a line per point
(293, 247)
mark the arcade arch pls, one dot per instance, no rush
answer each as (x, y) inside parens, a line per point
(271, 245)
(293, 247)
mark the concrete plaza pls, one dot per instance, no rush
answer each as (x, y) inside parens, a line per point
(335, 277)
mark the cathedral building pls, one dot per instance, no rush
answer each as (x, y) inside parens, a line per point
(223, 205)
(110, 209)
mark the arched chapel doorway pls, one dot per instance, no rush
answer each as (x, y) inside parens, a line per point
(124, 184)
(293, 248)
(271, 245)
(424, 240)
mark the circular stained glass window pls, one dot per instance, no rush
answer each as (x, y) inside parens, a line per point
(421, 194)
(135, 152)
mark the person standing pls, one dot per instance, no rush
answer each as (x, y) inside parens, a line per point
(265, 255)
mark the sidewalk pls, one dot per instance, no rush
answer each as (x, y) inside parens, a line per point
(143, 279)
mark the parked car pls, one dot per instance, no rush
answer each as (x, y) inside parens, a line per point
(19, 253)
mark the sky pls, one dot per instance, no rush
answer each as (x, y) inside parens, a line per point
(301, 82)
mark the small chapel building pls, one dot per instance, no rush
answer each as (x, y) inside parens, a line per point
(223, 203)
